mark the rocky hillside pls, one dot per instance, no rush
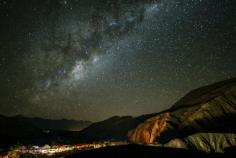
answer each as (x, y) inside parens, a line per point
(206, 142)
(211, 109)
(204, 94)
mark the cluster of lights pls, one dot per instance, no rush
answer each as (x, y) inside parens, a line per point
(50, 151)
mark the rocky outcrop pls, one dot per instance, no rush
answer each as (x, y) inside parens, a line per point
(148, 131)
(212, 111)
(207, 142)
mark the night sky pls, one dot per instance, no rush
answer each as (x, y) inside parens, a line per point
(92, 59)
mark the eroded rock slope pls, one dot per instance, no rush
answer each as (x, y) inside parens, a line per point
(206, 113)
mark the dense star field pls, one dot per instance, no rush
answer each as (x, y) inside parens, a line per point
(92, 59)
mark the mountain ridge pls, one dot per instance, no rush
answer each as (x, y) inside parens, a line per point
(52, 124)
(212, 112)
(191, 95)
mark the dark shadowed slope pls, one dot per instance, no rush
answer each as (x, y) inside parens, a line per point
(115, 127)
(13, 131)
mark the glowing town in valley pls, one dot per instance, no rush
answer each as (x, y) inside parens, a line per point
(53, 150)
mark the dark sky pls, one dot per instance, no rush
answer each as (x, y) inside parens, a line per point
(92, 59)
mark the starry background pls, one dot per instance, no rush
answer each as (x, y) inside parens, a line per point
(92, 59)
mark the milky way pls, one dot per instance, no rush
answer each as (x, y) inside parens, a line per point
(89, 59)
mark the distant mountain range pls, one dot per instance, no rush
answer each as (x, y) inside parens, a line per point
(204, 119)
(49, 124)
(20, 129)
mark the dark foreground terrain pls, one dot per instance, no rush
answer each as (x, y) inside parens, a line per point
(133, 151)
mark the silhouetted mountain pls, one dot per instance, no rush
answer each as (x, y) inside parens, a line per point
(23, 130)
(207, 110)
(48, 124)
(14, 130)
(115, 127)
